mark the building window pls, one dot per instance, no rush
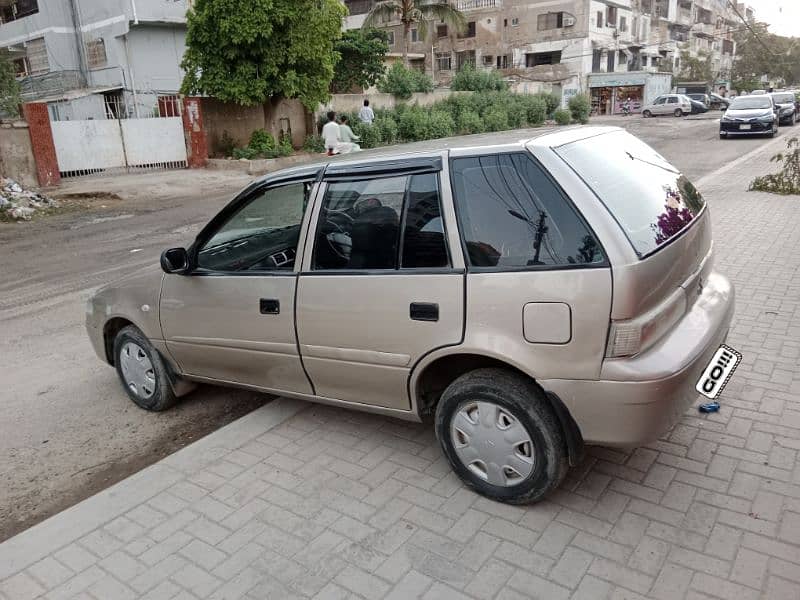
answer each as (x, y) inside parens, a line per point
(17, 9)
(465, 58)
(610, 67)
(611, 16)
(727, 46)
(542, 58)
(96, 54)
(470, 32)
(599, 21)
(444, 61)
(414, 35)
(553, 20)
(21, 67)
(644, 61)
(488, 60)
(441, 31)
(390, 38)
(504, 61)
(505, 22)
(515, 22)
(37, 57)
(623, 24)
(597, 57)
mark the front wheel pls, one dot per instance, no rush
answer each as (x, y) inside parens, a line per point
(501, 437)
(142, 371)
(647, 114)
(678, 112)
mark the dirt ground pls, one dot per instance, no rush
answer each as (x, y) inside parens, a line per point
(67, 429)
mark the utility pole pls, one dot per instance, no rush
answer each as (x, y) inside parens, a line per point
(78, 26)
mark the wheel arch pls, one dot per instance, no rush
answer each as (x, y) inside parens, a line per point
(110, 330)
(432, 376)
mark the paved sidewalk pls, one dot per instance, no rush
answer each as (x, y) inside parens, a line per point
(298, 500)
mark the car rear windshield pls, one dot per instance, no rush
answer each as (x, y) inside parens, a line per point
(750, 102)
(783, 98)
(648, 197)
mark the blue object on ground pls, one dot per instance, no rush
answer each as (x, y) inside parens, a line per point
(710, 407)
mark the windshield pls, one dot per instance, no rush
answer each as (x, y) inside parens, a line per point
(648, 197)
(751, 102)
(783, 98)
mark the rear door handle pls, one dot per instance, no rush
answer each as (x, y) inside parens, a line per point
(424, 311)
(270, 306)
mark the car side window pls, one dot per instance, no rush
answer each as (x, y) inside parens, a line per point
(262, 235)
(673, 100)
(386, 224)
(660, 100)
(512, 215)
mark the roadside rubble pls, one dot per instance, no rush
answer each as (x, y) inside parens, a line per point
(19, 204)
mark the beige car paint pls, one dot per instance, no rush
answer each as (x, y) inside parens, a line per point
(361, 349)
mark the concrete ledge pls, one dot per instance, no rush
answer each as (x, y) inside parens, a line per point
(62, 529)
(260, 166)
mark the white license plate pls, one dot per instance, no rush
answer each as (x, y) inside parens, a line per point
(718, 372)
(745, 127)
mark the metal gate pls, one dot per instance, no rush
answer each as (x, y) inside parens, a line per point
(112, 141)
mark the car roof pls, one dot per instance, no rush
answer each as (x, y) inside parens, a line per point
(506, 140)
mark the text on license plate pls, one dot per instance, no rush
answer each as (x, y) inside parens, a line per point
(718, 372)
(745, 127)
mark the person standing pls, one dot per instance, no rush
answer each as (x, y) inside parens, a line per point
(366, 114)
(330, 134)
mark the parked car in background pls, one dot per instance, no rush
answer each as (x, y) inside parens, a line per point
(705, 99)
(786, 107)
(677, 105)
(698, 107)
(749, 115)
(530, 295)
(718, 102)
(757, 93)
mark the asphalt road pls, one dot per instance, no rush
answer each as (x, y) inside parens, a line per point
(67, 429)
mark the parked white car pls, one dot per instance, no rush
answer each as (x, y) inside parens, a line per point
(668, 104)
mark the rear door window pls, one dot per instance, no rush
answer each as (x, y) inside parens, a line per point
(512, 215)
(648, 197)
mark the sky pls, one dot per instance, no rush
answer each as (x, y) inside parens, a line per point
(783, 16)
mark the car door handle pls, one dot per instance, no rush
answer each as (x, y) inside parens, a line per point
(270, 306)
(424, 311)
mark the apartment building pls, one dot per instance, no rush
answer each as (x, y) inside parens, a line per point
(96, 59)
(612, 49)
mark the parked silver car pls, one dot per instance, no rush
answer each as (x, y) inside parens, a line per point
(531, 295)
(677, 105)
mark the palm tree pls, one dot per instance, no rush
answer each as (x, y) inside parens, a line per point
(415, 12)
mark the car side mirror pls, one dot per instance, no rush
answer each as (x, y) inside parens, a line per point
(175, 261)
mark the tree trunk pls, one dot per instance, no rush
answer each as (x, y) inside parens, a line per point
(406, 42)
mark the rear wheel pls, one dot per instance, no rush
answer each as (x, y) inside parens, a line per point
(142, 371)
(678, 112)
(647, 114)
(501, 436)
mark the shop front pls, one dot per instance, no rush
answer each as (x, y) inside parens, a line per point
(610, 91)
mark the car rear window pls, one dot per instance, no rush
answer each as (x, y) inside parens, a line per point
(783, 98)
(648, 197)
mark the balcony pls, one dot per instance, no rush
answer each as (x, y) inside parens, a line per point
(465, 5)
(158, 11)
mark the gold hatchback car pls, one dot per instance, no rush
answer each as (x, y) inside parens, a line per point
(532, 296)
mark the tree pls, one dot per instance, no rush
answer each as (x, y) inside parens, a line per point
(9, 89)
(250, 52)
(415, 12)
(361, 63)
(699, 68)
(762, 54)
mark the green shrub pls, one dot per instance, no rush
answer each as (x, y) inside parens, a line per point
(415, 125)
(787, 180)
(562, 116)
(552, 102)
(262, 142)
(402, 82)
(387, 127)
(244, 153)
(370, 135)
(314, 144)
(496, 119)
(517, 113)
(580, 107)
(469, 79)
(441, 125)
(284, 148)
(536, 109)
(470, 122)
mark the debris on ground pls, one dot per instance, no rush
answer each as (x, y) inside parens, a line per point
(19, 204)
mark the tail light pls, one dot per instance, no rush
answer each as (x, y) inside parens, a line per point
(632, 336)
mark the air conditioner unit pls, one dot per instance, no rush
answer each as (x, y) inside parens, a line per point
(569, 21)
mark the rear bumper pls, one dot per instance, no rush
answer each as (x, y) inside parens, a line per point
(637, 399)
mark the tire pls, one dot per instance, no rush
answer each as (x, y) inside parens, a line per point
(678, 112)
(647, 114)
(142, 371)
(516, 404)
(774, 131)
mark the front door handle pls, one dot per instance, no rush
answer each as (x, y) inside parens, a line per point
(270, 306)
(424, 311)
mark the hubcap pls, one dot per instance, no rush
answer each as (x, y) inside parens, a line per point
(137, 370)
(492, 443)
